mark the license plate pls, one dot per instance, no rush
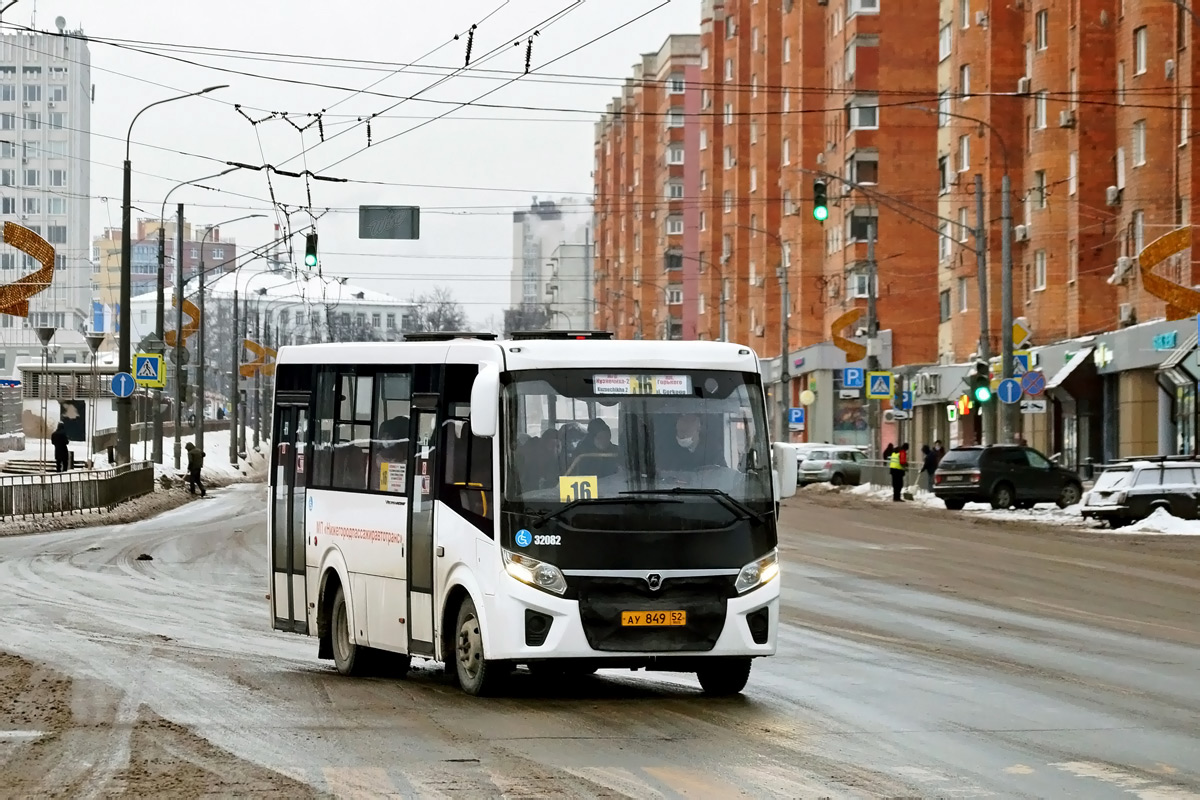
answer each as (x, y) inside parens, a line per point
(955, 478)
(653, 619)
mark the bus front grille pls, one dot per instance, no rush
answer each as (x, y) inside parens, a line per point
(601, 601)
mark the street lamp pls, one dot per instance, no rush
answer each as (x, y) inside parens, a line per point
(125, 404)
(1007, 423)
(203, 329)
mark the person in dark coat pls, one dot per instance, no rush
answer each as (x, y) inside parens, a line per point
(62, 456)
(929, 464)
(195, 457)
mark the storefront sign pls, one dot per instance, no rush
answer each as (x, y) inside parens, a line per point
(1166, 341)
(1103, 355)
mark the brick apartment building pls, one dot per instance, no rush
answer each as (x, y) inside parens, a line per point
(647, 178)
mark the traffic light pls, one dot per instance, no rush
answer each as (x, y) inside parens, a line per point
(979, 380)
(310, 250)
(820, 201)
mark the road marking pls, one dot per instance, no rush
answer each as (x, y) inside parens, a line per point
(359, 782)
(1143, 788)
(22, 735)
(1093, 615)
(1019, 769)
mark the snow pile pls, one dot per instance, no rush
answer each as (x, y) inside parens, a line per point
(1161, 521)
(1044, 514)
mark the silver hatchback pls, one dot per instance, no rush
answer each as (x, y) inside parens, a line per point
(835, 465)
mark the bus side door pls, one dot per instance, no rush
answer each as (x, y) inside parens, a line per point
(289, 595)
(422, 492)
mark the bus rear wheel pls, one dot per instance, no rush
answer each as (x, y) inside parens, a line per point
(726, 676)
(476, 675)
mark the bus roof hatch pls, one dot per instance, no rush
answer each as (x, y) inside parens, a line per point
(526, 335)
(446, 336)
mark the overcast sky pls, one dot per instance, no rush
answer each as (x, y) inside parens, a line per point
(520, 152)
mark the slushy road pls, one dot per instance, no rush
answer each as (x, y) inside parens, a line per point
(921, 655)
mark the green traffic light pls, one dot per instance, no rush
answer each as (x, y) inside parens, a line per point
(820, 213)
(983, 394)
(310, 260)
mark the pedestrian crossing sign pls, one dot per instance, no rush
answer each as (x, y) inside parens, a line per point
(148, 371)
(880, 386)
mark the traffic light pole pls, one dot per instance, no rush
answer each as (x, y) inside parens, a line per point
(872, 328)
(180, 380)
(985, 349)
(1006, 303)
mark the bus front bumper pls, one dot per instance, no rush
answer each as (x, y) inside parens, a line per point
(542, 626)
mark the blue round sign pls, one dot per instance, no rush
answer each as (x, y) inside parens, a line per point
(123, 384)
(524, 538)
(1009, 391)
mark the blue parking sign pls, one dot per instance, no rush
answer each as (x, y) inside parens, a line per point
(795, 416)
(853, 378)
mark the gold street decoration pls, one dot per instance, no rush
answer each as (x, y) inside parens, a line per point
(261, 354)
(14, 297)
(1182, 302)
(189, 327)
(853, 350)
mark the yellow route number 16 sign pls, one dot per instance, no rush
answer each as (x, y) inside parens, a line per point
(577, 487)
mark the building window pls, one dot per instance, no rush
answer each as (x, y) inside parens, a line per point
(32, 93)
(787, 49)
(851, 60)
(964, 225)
(964, 13)
(8, 150)
(58, 177)
(674, 296)
(56, 234)
(674, 226)
(753, 131)
(704, 58)
(1039, 271)
(1139, 231)
(56, 148)
(862, 7)
(944, 41)
(391, 321)
(58, 94)
(1041, 24)
(31, 205)
(704, 138)
(676, 84)
(703, 221)
(943, 109)
(703, 179)
(218, 252)
(1139, 143)
(863, 168)
(1184, 133)
(1073, 173)
(1121, 82)
(786, 152)
(860, 284)
(964, 153)
(8, 121)
(964, 81)
(376, 320)
(726, 246)
(729, 113)
(58, 120)
(33, 177)
(963, 294)
(1039, 189)
(729, 162)
(1039, 109)
(754, 179)
(943, 174)
(728, 197)
(33, 121)
(944, 242)
(1139, 50)
(674, 190)
(675, 118)
(862, 114)
(1072, 262)
(944, 304)
(859, 225)
(675, 155)
(8, 92)
(729, 69)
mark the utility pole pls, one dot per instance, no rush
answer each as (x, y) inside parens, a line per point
(872, 328)
(159, 324)
(1006, 302)
(985, 351)
(235, 379)
(179, 368)
(785, 380)
(723, 333)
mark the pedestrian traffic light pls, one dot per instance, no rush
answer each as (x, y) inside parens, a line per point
(979, 380)
(310, 250)
(820, 201)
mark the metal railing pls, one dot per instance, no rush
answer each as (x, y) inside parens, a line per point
(63, 493)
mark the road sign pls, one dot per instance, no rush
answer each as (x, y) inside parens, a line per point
(1021, 362)
(148, 370)
(1009, 391)
(151, 344)
(185, 355)
(9, 383)
(879, 386)
(389, 222)
(1033, 406)
(123, 384)
(899, 415)
(906, 401)
(853, 377)
(795, 417)
(1021, 333)
(1033, 383)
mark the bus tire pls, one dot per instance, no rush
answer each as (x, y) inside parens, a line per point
(348, 657)
(476, 675)
(726, 676)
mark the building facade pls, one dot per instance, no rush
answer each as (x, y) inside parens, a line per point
(552, 282)
(45, 184)
(647, 179)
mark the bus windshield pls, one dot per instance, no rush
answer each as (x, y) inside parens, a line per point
(576, 435)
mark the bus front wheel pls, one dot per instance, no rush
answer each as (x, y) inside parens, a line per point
(476, 675)
(348, 657)
(726, 676)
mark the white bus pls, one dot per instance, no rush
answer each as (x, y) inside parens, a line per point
(560, 502)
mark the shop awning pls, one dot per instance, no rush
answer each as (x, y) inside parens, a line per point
(1076, 360)
(1176, 359)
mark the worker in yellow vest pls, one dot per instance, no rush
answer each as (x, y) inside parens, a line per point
(896, 464)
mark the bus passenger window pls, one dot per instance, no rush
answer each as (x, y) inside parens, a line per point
(468, 474)
(390, 440)
(323, 446)
(352, 433)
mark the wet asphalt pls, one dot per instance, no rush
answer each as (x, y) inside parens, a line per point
(880, 689)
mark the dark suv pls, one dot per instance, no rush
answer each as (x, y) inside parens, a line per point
(1004, 475)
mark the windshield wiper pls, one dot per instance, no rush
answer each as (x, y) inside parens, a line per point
(546, 516)
(740, 509)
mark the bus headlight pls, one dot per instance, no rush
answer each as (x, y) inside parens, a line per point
(538, 574)
(756, 573)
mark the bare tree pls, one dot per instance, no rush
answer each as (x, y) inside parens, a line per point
(435, 311)
(526, 318)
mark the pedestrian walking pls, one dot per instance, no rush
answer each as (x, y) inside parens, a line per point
(62, 455)
(929, 465)
(195, 457)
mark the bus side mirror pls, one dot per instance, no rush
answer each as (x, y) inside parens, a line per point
(485, 401)
(785, 469)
